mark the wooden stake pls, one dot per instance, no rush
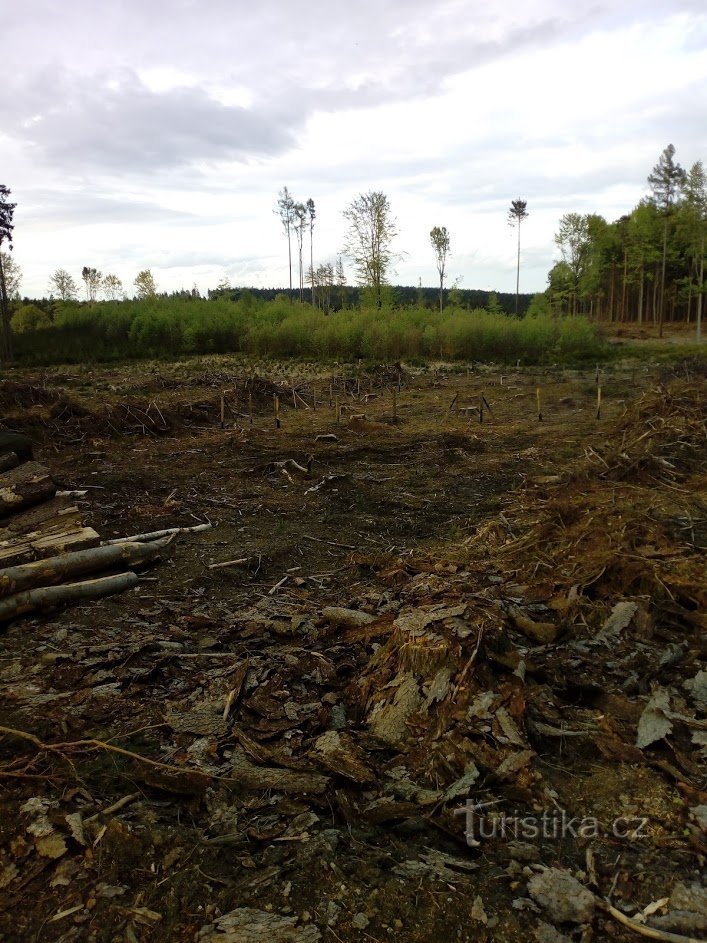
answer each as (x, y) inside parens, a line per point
(250, 408)
(596, 378)
(276, 406)
(223, 409)
(540, 412)
(294, 397)
(337, 410)
(481, 409)
(598, 402)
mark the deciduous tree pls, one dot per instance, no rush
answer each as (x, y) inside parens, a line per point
(145, 284)
(572, 239)
(63, 285)
(92, 280)
(369, 240)
(286, 211)
(439, 237)
(112, 288)
(516, 214)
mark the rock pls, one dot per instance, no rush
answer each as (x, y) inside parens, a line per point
(247, 925)
(563, 898)
(346, 618)
(360, 921)
(693, 898)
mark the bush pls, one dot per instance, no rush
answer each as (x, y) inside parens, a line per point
(180, 325)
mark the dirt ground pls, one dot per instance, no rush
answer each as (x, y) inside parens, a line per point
(430, 612)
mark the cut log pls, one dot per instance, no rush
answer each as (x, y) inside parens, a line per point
(23, 486)
(53, 570)
(46, 514)
(48, 596)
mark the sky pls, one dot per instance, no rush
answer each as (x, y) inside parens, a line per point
(157, 133)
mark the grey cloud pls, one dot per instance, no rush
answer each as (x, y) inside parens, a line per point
(82, 207)
(120, 126)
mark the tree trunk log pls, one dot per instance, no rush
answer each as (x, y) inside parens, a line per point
(16, 579)
(47, 596)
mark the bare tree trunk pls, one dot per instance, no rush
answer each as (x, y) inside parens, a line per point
(640, 296)
(662, 278)
(701, 295)
(518, 271)
(5, 310)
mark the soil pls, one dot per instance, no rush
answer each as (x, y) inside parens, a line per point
(448, 604)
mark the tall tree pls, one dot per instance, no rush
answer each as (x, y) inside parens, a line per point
(439, 237)
(145, 284)
(696, 199)
(12, 274)
(300, 222)
(112, 288)
(286, 211)
(7, 225)
(666, 182)
(516, 214)
(341, 281)
(369, 239)
(311, 213)
(64, 285)
(92, 280)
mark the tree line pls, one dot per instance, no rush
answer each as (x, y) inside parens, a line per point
(646, 267)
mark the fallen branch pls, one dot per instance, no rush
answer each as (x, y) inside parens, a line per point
(156, 534)
(246, 774)
(15, 579)
(48, 596)
(641, 928)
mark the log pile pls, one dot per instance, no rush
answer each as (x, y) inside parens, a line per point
(44, 545)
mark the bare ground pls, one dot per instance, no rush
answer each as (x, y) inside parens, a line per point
(288, 759)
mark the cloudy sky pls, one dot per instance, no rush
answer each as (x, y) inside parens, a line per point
(157, 133)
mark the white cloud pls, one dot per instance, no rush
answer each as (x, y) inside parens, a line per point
(159, 134)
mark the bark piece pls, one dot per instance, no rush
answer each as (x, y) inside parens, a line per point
(338, 753)
(542, 632)
(255, 777)
(388, 721)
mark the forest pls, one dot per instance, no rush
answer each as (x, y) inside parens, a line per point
(645, 268)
